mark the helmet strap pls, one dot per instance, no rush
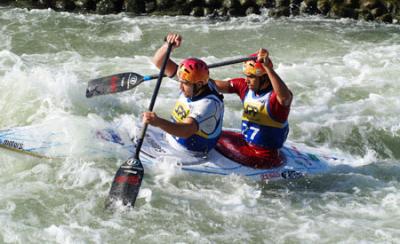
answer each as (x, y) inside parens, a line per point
(263, 86)
(198, 89)
(263, 80)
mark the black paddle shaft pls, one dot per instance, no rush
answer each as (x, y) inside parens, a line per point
(128, 178)
(153, 99)
(229, 62)
(129, 80)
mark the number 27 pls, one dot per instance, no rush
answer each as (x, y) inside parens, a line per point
(253, 133)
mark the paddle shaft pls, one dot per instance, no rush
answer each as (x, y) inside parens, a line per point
(153, 99)
(233, 61)
(215, 65)
(127, 81)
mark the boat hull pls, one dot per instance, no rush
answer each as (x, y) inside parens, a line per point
(115, 141)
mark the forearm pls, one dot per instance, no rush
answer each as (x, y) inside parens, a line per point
(222, 86)
(159, 57)
(183, 130)
(284, 95)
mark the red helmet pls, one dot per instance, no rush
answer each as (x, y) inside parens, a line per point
(255, 68)
(194, 71)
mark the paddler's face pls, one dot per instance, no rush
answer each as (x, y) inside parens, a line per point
(253, 82)
(186, 88)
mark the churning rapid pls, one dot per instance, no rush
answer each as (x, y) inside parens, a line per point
(344, 76)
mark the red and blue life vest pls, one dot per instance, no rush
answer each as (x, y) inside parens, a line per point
(259, 127)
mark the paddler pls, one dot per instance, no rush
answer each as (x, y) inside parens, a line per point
(266, 104)
(197, 116)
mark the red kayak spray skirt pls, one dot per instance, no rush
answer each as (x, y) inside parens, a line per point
(233, 146)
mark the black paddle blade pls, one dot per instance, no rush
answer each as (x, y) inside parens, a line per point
(126, 184)
(114, 83)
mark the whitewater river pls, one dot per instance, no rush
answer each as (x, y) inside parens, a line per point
(345, 78)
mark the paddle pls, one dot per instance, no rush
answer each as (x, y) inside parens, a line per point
(126, 81)
(128, 179)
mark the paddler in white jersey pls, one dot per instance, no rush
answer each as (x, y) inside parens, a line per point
(266, 104)
(196, 120)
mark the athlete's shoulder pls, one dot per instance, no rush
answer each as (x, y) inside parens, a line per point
(207, 101)
(237, 81)
(238, 86)
(206, 108)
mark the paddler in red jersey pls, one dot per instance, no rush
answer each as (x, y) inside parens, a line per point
(266, 104)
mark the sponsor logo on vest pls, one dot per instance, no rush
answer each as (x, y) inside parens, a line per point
(251, 110)
(180, 112)
(12, 144)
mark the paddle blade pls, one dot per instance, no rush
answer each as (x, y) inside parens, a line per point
(126, 184)
(114, 83)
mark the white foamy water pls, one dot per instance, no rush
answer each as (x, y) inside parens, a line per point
(344, 75)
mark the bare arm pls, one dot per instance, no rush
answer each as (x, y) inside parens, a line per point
(158, 57)
(184, 129)
(223, 86)
(283, 94)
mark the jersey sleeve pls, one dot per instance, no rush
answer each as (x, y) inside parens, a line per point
(276, 110)
(238, 86)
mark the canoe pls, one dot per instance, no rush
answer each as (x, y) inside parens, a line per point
(114, 140)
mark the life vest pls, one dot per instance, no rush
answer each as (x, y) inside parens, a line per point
(258, 125)
(208, 110)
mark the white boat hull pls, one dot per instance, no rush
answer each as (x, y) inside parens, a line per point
(114, 141)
